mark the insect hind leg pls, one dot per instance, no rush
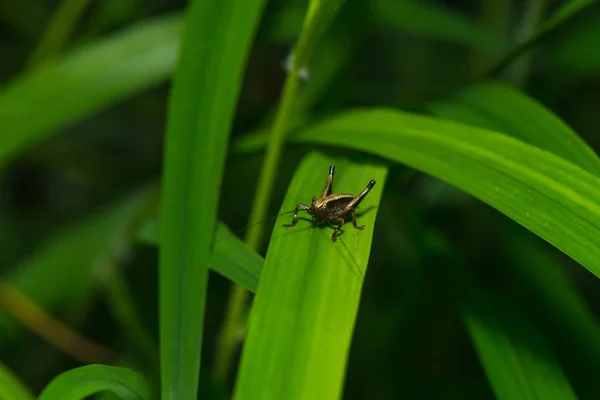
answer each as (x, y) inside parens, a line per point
(327, 190)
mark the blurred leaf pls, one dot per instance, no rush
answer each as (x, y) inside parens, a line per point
(303, 315)
(572, 52)
(230, 257)
(499, 107)
(514, 354)
(217, 40)
(548, 195)
(70, 88)
(60, 27)
(69, 258)
(433, 21)
(11, 387)
(79, 383)
(567, 11)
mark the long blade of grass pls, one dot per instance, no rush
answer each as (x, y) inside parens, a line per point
(302, 319)
(79, 383)
(86, 80)
(216, 42)
(549, 293)
(514, 353)
(318, 17)
(11, 388)
(553, 198)
(499, 107)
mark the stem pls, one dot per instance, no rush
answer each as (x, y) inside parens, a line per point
(238, 298)
(59, 29)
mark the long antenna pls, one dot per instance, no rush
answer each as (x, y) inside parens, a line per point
(261, 221)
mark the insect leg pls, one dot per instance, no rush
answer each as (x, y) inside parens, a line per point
(327, 190)
(354, 220)
(356, 201)
(299, 207)
(341, 222)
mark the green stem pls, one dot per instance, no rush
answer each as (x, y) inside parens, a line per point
(238, 299)
(58, 30)
(319, 16)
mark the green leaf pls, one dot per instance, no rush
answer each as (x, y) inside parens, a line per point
(553, 198)
(230, 257)
(69, 258)
(66, 90)
(216, 42)
(499, 107)
(11, 388)
(303, 316)
(79, 383)
(513, 352)
(435, 22)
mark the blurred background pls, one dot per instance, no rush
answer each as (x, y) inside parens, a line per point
(64, 199)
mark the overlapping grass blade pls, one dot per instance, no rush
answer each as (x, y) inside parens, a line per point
(303, 316)
(499, 107)
(561, 309)
(517, 360)
(230, 257)
(11, 388)
(216, 42)
(553, 198)
(79, 383)
(86, 80)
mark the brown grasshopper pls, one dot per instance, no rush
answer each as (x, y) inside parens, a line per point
(333, 207)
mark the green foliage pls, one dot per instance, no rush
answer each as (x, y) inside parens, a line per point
(459, 302)
(309, 291)
(10, 386)
(82, 382)
(216, 41)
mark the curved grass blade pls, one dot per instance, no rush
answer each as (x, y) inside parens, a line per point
(79, 383)
(553, 198)
(11, 388)
(86, 80)
(517, 360)
(499, 107)
(230, 257)
(216, 42)
(303, 316)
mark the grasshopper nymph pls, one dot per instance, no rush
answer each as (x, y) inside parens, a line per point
(333, 207)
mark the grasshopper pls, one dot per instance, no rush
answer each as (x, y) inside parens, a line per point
(333, 207)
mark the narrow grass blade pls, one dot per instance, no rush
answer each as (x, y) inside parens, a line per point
(79, 383)
(11, 388)
(553, 198)
(216, 41)
(69, 258)
(517, 360)
(303, 316)
(60, 27)
(86, 80)
(499, 107)
(230, 257)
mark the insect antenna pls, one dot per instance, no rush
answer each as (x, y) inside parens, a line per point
(262, 221)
